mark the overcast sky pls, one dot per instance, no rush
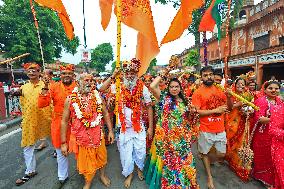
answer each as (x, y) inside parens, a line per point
(163, 15)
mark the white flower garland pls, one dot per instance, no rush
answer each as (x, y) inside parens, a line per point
(79, 114)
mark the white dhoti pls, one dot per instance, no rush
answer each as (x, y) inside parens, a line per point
(132, 148)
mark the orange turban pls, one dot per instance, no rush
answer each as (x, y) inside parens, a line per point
(69, 67)
(31, 65)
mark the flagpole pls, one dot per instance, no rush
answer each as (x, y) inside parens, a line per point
(38, 35)
(118, 47)
(226, 66)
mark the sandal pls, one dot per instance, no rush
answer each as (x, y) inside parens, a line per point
(54, 154)
(40, 148)
(25, 179)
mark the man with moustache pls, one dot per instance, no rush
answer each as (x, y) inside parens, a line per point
(132, 135)
(211, 104)
(56, 94)
(34, 124)
(84, 110)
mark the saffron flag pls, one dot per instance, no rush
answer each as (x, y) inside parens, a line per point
(212, 16)
(182, 20)
(106, 10)
(137, 14)
(58, 6)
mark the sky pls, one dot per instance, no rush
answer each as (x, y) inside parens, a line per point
(162, 14)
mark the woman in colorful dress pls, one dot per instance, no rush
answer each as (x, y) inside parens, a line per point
(276, 129)
(171, 164)
(261, 141)
(236, 128)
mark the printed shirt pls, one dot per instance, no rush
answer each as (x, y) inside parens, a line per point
(209, 98)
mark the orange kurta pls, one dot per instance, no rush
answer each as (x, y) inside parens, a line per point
(57, 94)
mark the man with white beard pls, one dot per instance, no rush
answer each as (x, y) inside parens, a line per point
(132, 136)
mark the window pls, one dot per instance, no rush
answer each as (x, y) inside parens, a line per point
(281, 40)
(261, 42)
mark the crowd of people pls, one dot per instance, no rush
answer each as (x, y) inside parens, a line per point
(155, 124)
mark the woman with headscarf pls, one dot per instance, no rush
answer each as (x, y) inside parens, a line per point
(276, 130)
(237, 130)
(262, 140)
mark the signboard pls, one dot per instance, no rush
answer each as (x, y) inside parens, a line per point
(86, 55)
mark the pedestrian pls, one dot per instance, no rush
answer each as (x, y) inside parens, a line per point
(56, 94)
(211, 103)
(43, 142)
(132, 132)
(171, 163)
(84, 109)
(261, 141)
(237, 125)
(34, 124)
(276, 129)
(218, 77)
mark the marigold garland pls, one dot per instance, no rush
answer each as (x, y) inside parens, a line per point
(131, 100)
(96, 107)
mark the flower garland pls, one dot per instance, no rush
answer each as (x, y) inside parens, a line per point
(96, 106)
(131, 100)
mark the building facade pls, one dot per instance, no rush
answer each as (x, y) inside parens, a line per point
(256, 43)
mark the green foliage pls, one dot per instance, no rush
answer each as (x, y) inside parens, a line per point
(18, 34)
(192, 58)
(150, 68)
(101, 56)
(113, 65)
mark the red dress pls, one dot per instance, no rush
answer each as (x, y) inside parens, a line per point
(261, 143)
(277, 147)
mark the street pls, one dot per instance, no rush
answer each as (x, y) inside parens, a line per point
(12, 168)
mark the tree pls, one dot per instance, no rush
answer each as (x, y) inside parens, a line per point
(113, 65)
(18, 34)
(101, 56)
(150, 68)
(192, 58)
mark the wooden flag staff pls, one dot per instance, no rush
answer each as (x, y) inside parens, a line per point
(14, 59)
(38, 35)
(118, 47)
(227, 49)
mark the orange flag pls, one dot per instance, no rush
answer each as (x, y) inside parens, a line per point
(106, 10)
(58, 6)
(137, 14)
(182, 19)
(207, 22)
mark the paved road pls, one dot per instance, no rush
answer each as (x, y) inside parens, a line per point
(12, 167)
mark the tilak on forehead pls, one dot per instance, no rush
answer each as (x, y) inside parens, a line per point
(131, 66)
(31, 65)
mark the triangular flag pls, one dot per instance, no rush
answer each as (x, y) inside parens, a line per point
(137, 14)
(58, 6)
(212, 16)
(106, 10)
(182, 20)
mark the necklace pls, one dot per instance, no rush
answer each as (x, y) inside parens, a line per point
(80, 104)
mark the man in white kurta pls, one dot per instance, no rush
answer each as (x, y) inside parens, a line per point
(132, 135)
